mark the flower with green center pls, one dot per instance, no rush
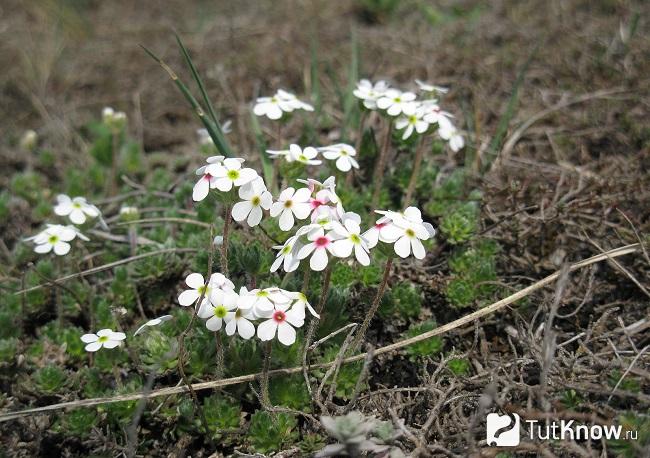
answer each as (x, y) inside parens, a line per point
(255, 197)
(106, 338)
(216, 310)
(342, 154)
(282, 102)
(230, 173)
(291, 203)
(305, 156)
(199, 288)
(412, 122)
(240, 321)
(349, 232)
(56, 238)
(407, 230)
(396, 102)
(285, 256)
(260, 301)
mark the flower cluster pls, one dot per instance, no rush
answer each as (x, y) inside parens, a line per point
(282, 102)
(331, 231)
(280, 312)
(411, 115)
(342, 153)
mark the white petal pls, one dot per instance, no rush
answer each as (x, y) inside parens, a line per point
(241, 210)
(214, 323)
(343, 164)
(77, 216)
(418, 248)
(117, 336)
(195, 280)
(318, 260)
(231, 327)
(361, 255)
(286, 334)
(43, 248)
(245, 328)
(266, 330)
(286, 220)
(342, 248)
(254, 217)
(301, 210)
(188, 297)
(61, 248)
(403, 247)
(201, 189)
(111, 343)
(94, 346)
(88, 338)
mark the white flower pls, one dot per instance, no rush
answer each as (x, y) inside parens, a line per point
(207, 181)
(396, 102)
(343, 154)
(351, 239)
(328, 185)
(255, 198)
(113, 119)
(106, 338)
(216, 309)
(261, 301)
(304, 156)
(197, 287)
(76, 209)
(290, 203)
(125, 210)
(374, 234)
(448, 132)
(282, 321)
(272, 107)
(411, 122)
(56, 237)
(154, 322)
(407, 231)
(240, 321)
(433, 114)
(300, 303)
(426, 87)
(286, 256)
(275, 154)
(294, 101)
(281, 102)
(369, 93)
(230, 174)
(320, 244)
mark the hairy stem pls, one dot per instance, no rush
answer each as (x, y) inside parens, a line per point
(373, 307)
(219, 356)
(265, 399)
(419, 153)
(311, 330)
(381, 164)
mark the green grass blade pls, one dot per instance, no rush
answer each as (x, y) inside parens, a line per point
(207, 122)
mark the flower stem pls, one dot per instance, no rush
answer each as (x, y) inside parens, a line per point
(381, 165)
(373, 308)
(265, 399)
(415, 173)
(224, 245)
(313, 324)
(220, 357)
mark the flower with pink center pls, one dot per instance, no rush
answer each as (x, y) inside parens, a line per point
(374, 234)
(318, 247)
(282, 322)
(207, 180)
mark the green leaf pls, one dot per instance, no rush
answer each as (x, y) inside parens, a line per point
(213, 129)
